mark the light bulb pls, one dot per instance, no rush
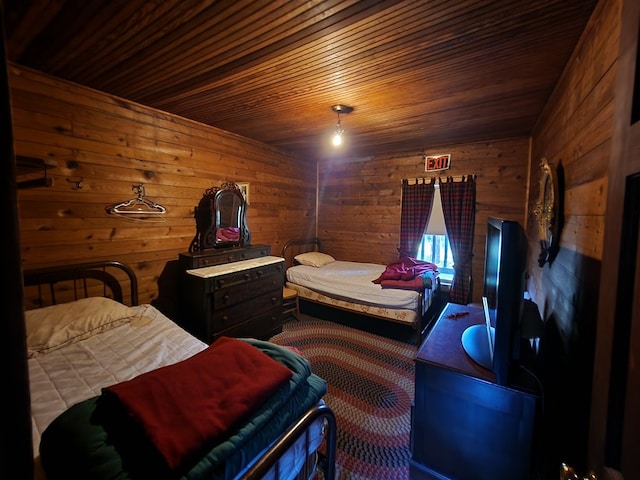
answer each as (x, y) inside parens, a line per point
(337, 136)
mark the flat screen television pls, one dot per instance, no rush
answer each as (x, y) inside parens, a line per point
(503, 287)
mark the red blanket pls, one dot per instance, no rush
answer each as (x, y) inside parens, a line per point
(194, 403)
(406, 273)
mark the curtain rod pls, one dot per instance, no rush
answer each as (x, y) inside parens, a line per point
(436, 180)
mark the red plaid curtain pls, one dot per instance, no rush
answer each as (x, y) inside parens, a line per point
(417, 200)
(459, 209)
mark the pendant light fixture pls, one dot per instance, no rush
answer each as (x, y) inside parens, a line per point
(337, 137)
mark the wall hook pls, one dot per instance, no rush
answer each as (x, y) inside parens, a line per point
(78, 183)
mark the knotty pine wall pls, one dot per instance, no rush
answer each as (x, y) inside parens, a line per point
(360, 201)
(111, 144)
(574, 134)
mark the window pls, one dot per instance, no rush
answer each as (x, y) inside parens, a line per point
(436, 249)
(435, 246)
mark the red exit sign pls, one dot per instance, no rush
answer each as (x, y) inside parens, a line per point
(437, 162)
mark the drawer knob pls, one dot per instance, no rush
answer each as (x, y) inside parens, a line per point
(259, 273)
(225, 298)
(247, 276)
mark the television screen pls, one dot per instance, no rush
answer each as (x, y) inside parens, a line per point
(491, 266)
(496, 345)
(504, 285)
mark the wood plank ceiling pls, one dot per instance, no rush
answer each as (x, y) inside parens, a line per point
(418, 73)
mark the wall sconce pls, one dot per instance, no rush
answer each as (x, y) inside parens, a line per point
(337, 137)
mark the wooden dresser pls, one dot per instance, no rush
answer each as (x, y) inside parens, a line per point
(236, 298)
(207, 258)
(464, 426)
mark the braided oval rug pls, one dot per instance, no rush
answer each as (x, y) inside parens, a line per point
(370, 389)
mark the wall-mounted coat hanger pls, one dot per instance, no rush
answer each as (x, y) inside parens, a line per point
(27, 165)
(139, 207)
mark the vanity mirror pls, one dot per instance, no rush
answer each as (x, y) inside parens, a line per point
(221, 219)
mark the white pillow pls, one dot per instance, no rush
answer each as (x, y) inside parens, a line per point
(50, 328)
(314, 259)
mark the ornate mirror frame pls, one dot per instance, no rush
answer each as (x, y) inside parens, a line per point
(546, 211)
(221, 219)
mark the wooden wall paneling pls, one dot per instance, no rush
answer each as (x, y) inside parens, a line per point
(360, 200)
(377, 187)
(141, 117)
(152, 232)
(590, 71)
(575, 131)
(113, 144)
(574, 134)
(615, 422)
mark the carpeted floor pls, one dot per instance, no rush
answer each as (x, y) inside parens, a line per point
(370, 389)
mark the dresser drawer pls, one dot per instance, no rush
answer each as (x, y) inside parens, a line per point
(207, 258)
(264, 325)
(255, 275)
(224, 318)
(240, 293)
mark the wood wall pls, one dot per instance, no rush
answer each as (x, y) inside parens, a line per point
(110, 144)
(574, 134)
(360, 201)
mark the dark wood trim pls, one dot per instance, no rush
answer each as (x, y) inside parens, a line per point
(17, 455)
(613, 437)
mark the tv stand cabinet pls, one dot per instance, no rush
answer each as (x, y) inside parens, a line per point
(464, 426)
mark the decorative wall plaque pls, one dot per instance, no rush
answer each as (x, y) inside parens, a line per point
(546, 211)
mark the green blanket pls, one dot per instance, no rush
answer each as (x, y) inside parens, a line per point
(95, 439)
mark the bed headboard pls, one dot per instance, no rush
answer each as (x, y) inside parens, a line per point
(299, 245)
(51, 285)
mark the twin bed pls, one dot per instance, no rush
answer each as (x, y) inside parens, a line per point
(118, 390)
(320, 278)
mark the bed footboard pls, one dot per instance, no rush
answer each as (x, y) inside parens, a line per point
(270, 459)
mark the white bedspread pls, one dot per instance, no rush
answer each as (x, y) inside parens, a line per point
(77, 372)
(353, 281)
